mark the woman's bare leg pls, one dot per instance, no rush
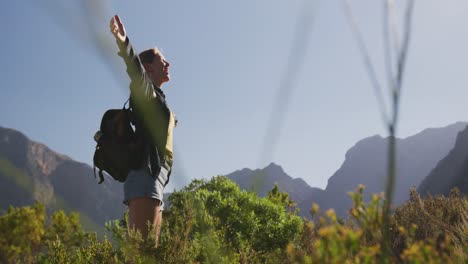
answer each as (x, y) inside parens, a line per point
(144, 209)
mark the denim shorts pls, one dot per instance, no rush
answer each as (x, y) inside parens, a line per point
(140, 183)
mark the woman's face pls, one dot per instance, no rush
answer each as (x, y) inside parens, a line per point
(160, 70)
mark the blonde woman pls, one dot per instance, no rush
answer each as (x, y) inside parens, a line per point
(154, 122)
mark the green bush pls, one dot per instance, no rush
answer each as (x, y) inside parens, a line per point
(443, 221)
(413, 240)
(228, 222)
(215, 222)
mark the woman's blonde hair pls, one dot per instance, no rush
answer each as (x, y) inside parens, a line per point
(147, 56)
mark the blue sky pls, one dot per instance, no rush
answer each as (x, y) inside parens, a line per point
(228, 60)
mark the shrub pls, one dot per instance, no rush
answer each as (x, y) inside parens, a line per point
(431, 230)
(214, 222)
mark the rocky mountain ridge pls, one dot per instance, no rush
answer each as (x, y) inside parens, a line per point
(365, 163)
(30, 171)
(451, 171)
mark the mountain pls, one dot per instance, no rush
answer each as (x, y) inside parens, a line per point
(30, 171)
(450, 172)
(365, 163)
(263, 180)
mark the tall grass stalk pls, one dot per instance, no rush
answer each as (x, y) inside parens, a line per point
(395, 82)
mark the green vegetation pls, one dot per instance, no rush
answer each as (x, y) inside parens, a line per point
(214, 222)
(10, 172)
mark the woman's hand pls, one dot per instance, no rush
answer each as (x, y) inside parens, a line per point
(117, 28)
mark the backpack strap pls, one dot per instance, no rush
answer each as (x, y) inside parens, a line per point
(128, 100)
(101, 176)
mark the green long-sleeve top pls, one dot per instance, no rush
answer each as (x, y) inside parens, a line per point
(150, 104)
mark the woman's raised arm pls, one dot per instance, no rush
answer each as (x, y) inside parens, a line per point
(140, 83)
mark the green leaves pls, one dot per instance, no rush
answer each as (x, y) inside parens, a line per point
(243, 222)
(22, 231)
(215, 222)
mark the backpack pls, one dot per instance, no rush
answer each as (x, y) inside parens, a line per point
(119, 149)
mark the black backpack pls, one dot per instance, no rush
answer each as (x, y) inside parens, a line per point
(119, 149)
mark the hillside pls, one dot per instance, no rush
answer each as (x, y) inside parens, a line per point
(263, 180)
(30, 171)
(450, 172)
(365, 163)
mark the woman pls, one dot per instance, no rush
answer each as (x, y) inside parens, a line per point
(154, 122)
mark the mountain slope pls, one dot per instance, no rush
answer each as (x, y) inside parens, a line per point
(450, 172)
(366, 163)
(263, 180)
(30, 171)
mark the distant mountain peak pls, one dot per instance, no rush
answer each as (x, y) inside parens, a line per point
(41, 159)
(366, 163)
(273, 165)
(263, 180)
(365, 143)
(434, 131)
(274, 168)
